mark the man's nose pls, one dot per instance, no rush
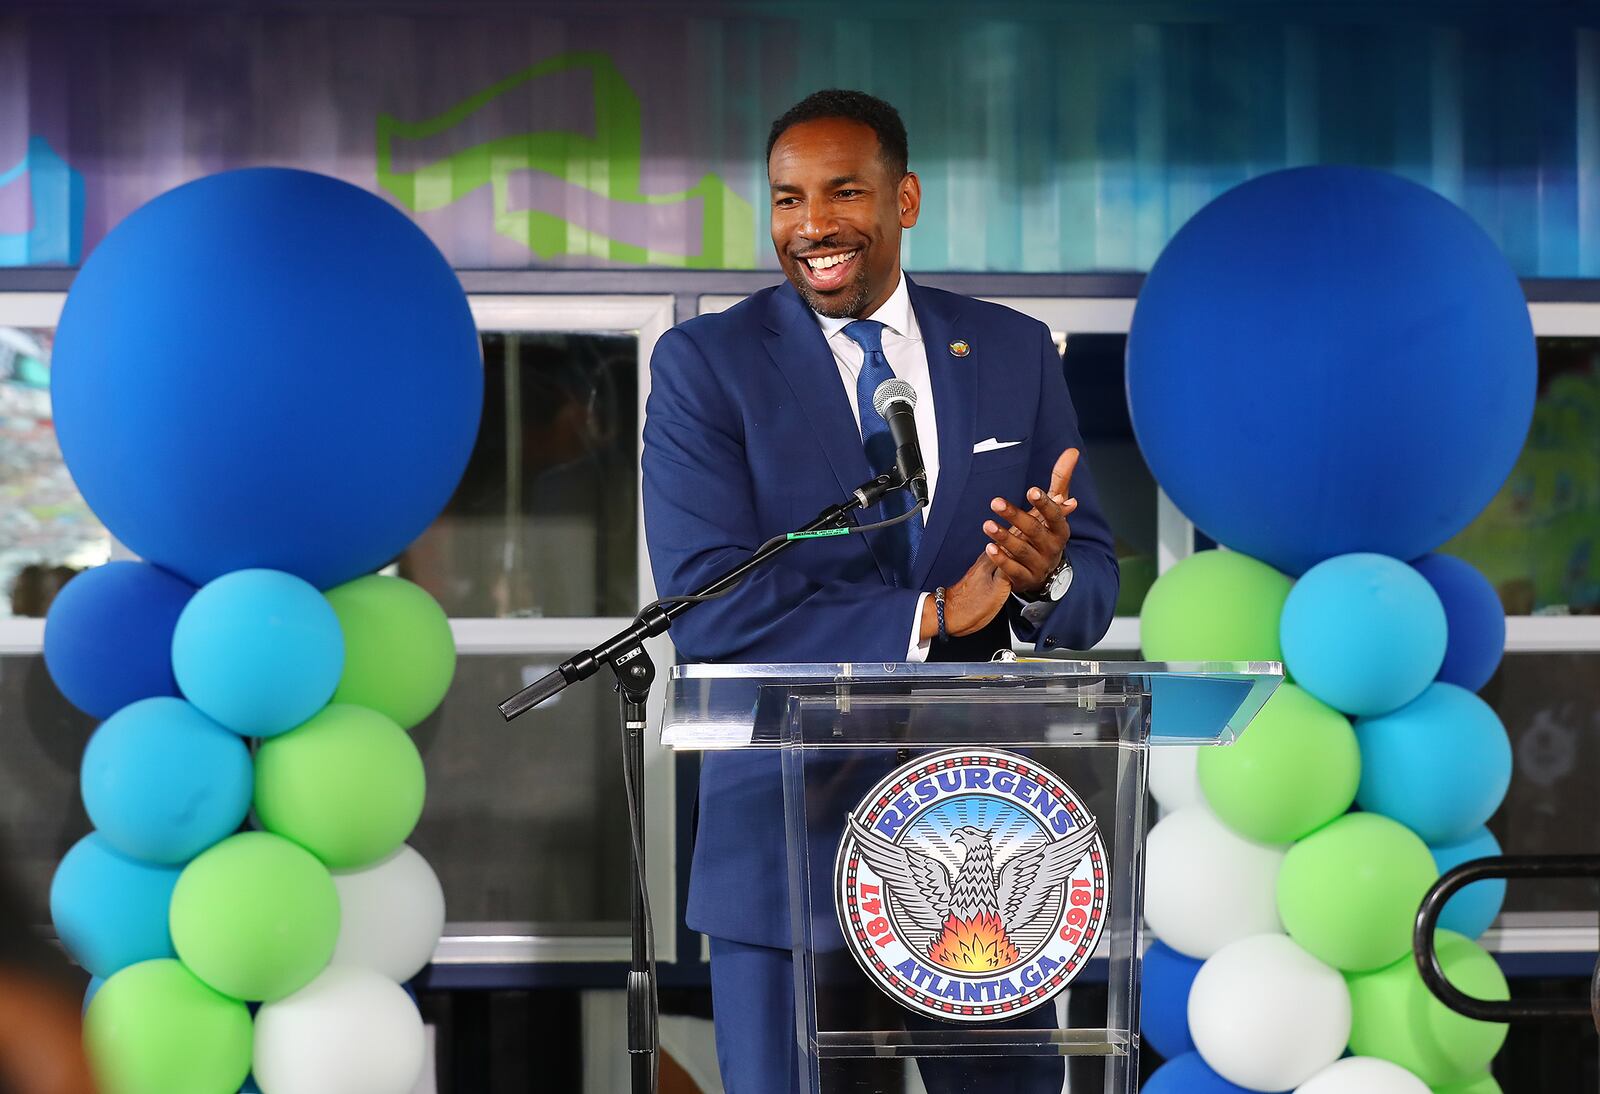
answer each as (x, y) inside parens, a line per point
(819, 221)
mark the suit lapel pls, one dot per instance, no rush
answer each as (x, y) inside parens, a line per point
(796, 345)
(955, 405)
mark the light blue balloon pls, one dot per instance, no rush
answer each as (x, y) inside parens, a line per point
(162, 782)
(258, 650)
(1439, 765)
(110, 911)
(1364, 633)
(95, 984)
(1472, 909)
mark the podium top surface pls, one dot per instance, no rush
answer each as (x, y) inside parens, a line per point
(1025, 702)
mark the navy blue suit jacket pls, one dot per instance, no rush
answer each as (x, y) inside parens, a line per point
(748, 434)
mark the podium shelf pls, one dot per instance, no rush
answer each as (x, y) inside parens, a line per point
(714, 707)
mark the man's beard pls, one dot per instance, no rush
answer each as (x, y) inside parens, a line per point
(844, 302)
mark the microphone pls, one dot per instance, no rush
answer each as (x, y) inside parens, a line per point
(895, 400)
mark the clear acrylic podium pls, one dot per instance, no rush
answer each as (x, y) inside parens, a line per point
(995, 815)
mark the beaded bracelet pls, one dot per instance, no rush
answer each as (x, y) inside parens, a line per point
(938, 608)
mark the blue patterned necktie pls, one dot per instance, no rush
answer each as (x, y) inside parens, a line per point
(903, 539)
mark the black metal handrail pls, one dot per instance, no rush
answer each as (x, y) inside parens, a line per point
(1501, 866)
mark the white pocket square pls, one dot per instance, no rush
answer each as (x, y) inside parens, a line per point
(993, 444)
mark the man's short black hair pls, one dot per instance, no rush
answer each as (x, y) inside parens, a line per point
(857, 106)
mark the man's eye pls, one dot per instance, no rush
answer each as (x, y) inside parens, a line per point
(848, 193)
(784, 203)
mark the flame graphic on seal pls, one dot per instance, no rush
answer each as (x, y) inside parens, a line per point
(978, 944)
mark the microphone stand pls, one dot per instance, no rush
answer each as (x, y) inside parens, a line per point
(635, 673)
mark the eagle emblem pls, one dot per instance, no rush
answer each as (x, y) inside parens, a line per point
(971, 884)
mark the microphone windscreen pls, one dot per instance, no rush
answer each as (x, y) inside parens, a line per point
(893, 390)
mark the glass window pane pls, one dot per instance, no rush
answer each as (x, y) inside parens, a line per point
(42, 737)
(1539, 539)
(1095, 366)
(543, 523)
(1547, 703)
(47, 533)
(525, 823)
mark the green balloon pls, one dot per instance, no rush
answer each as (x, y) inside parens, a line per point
(399, 655)
(347, 785)
(1214, 606)
(1395, 1017)
(1348, 893)
(1478, 1084)
(1294, 769)
(255, 917)
(154, 1028)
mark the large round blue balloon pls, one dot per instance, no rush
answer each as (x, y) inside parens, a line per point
(1439, 765)
(267, 368)
(1164, 999)
(162, 782)
(260, 651)
(1188, 1074)
(1364, 633)
(1476, 617)
(1472, 909)
(108, 637)
(110, 911)
(1327, 360)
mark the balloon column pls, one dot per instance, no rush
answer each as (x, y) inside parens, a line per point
(266, 384)
(1331, 371)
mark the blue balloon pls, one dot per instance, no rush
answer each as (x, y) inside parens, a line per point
(1476, 618)
(1472, 910)
(1439, 765)
(267, 368)
(1364, 633)
(1327, 360)
(1164, 999)
(162, 782)
(1188, 1074)
(108, 637)
(259, 651)
(110, 911)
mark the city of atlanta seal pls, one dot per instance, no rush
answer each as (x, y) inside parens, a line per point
(971, 885)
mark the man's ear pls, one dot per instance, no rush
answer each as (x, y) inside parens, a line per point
(910, 198)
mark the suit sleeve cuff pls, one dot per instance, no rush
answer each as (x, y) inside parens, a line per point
(918, 651)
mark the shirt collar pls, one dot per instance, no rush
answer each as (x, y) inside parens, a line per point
(894, 314)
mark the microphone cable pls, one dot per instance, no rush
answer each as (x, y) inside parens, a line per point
(849, 529)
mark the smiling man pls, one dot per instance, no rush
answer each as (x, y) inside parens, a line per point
(759, 418)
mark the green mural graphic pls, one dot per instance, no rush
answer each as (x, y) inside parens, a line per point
(1539, 539)
(607, 164)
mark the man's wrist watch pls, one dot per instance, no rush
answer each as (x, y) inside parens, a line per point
(1042, 603)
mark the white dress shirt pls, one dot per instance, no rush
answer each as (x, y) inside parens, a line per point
(902, 346)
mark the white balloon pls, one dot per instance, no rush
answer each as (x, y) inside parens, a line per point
(1363, 1075)
(1205, 885)
(349, 1031)
(1266, 1015)
(391, 915)
(1174, 778)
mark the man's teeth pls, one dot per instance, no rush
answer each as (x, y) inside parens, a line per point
(829, 260)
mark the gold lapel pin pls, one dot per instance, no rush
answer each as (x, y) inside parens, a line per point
(960, 348)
